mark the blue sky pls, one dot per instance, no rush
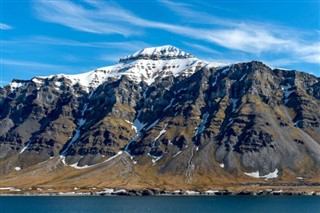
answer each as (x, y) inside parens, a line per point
(51, 37)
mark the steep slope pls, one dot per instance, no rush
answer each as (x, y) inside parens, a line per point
(158, 117)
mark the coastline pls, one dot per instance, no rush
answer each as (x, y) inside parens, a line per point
(156, 192)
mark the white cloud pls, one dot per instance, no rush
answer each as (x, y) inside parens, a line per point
(126, 45)
(5, 26)
(202, 48)
(33, 68)
(308, 52)
(277, 63)
(249, 37)
(195, 15)
(28, 64)
(75, 16)
(111, 57)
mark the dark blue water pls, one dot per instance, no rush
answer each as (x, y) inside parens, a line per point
(160, 204)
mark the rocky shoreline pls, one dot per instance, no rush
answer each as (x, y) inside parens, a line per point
(156, 192)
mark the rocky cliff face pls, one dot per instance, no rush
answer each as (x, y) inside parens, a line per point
(162, 113)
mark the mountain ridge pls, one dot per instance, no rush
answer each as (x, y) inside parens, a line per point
(144, 121)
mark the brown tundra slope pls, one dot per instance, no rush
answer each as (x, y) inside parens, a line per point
(161, 118)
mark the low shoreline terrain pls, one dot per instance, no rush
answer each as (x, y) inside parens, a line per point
(312, 189)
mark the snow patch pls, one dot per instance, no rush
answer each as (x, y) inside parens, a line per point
(215, 81)
(161, 132)
(211, 192)
(57, 84)
(81, 122)
(63, 160)
(253, 174)
(85, 108)
(66, 193)
(128, 121)
(144, 95)
(75, 165)
(170, 104)
(17, 168)
(25, 147)
(230, 122)
(180, 90)
(90, 94)
(10, 189)
(241, 79)
(137, 126)
(224, 70)
(192, 193)
(37, 80)
(113, 157)
(15, 85)
(271, 175)
(73, 139)
(155, 159)
(162, 51)
(108, 191)
(138, 70)
(175, 155)
(287, 92)
(201, 127)
(234, 103)
(153, 124)
(120, 191)
(176, 191)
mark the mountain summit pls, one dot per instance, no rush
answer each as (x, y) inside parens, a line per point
(146, 65)
(162, 118)
(166, 52)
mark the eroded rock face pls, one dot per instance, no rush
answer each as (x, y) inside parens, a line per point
(165, 106)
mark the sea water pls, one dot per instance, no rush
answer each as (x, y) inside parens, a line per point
(155, 204)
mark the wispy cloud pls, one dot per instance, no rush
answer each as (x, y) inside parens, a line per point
(32, 68)
(5, 26)
(180, 8)
(111, 57)
(307, 52)
(76, 16)
(202, 48)
(127, 45)
(29, 64)
(244, 35)
(195, 15)
(40, 69)
(249, 37)
(252, 37)
(3, 83)
(279, 62)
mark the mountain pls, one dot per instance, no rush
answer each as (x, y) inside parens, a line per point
(161, 118)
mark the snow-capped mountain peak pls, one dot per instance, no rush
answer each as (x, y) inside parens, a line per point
(156, 53)
(145, 65)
